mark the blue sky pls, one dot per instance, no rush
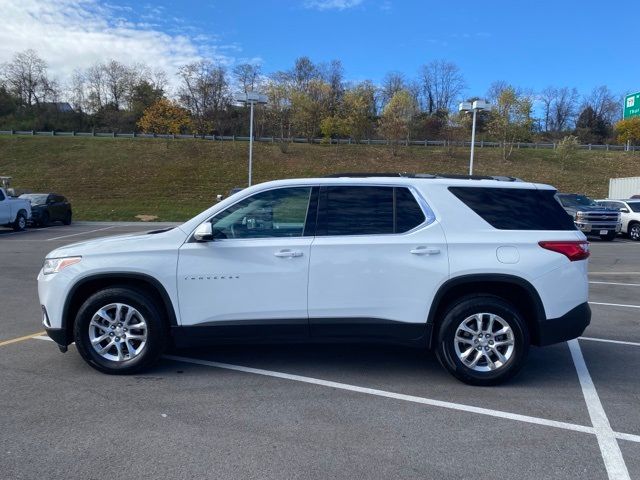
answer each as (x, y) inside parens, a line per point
(528, 44)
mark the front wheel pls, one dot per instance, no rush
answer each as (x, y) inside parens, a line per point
(67, 218)
(20, 223)
(119, 330)
(482, 340)
(634, 232)
(609, 237)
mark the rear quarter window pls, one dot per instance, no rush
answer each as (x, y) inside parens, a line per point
(516, 208)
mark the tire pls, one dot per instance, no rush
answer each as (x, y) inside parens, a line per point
(45, 221)
(609, 237)
(634, 231)
(114, 359)
(514, 350)
(67, 218)
(20, 222)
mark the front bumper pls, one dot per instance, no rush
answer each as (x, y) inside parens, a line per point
(586, 227)
(59, 335)
(570, 325)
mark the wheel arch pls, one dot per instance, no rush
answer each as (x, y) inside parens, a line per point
(511, 288)
(86, 286)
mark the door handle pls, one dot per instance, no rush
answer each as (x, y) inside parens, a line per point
(288, 253)
(425, 251)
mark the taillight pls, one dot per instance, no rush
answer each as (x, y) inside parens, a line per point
(573, 250)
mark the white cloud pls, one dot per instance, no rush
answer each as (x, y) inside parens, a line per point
(332, 4)
(72, 34)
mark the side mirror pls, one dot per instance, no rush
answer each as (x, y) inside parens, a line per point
(203, 233)
(624, 210)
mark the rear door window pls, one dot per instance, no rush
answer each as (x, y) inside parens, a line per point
(358, 210)
(408, 212)
(368, 210)
(516, 208)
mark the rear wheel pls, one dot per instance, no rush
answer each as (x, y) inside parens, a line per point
(609, 236)
(20, 223)
(482, 340)
(67, 218)
(634, 231)
(119, 330)
(45, 221)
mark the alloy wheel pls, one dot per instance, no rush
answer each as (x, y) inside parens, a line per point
(118, 332)
(484, 342)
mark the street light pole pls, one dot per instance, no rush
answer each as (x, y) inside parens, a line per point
(473, 141)
(474, 108)
(251, 98)
(251, 144)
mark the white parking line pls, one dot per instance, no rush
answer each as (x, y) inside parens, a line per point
(80, 233)
(606, 340)
(398, 396)
(614, 283)
(609, 448)
(614, 305)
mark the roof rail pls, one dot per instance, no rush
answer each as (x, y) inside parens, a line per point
(363, 175)
(500, 178)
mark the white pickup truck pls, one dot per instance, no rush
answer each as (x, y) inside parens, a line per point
(14, 212)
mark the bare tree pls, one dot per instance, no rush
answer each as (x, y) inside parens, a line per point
(26, 77)
(94, 82)
(604, 103)
(392, 83)
(559, 108)
(247, 75)
(442, 84)
(204, 90)
(303, 73)
(118, 81)
(333, 74)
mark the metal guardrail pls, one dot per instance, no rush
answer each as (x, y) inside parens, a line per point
(332, 141)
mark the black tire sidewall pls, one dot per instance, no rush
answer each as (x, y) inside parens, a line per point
(16, 225)
(156, 330)
(635, 226)
(482, 304)
(67, 218)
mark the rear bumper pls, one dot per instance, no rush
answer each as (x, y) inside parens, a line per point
(568, 326)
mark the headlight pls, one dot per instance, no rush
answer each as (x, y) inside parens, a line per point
(54, 265)
(579, 215)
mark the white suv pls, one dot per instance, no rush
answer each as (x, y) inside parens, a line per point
(475, 268)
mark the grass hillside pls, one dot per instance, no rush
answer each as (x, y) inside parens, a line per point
(117, 179)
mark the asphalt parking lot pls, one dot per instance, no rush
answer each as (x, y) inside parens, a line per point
(290, 412)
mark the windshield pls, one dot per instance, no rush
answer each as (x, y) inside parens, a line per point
(635, 206)
(576, 201)
(35, 198)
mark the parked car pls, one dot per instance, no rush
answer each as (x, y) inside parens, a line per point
(591, 218)
(477, 269)
(629, 213)
(47, 208)
(14, 212)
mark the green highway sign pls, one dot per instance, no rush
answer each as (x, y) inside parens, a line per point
(631, 106)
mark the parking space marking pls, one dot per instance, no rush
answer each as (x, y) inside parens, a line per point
(611, 454)
(614, 305)
(614, 283)
(606, 340)
(384, 393)
(630, 437)
(20, 339)
(81, 233)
